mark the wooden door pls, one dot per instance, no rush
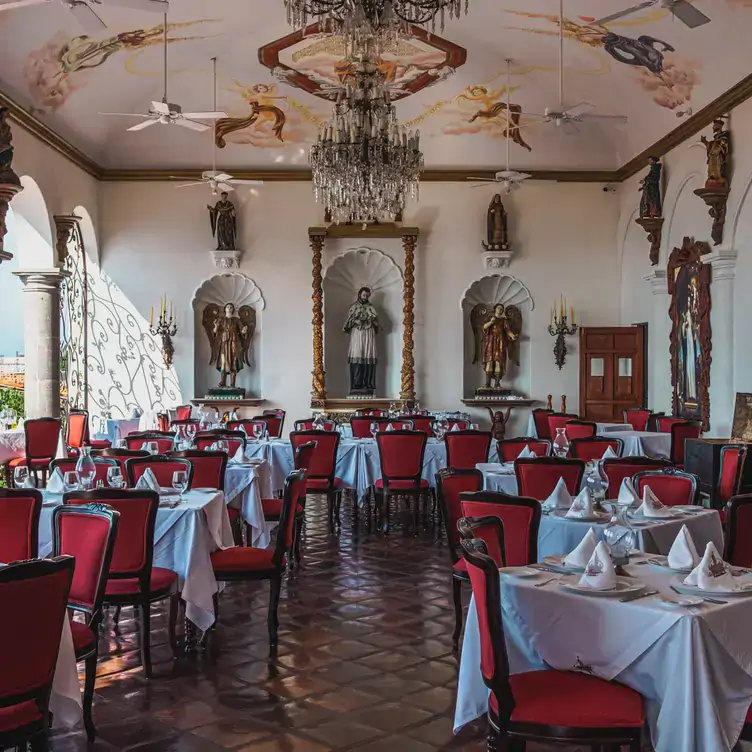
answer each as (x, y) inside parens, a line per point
(612, 364)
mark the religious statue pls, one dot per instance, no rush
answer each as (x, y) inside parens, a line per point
(496, 226)
(719, 154)
(230, 336)
(7, 175)
(496, 330)
(223, 223)
(362, 325)
(651, 204)
(689, 354)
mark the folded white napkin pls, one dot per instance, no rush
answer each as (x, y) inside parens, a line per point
(599, 571)
(560, 497)
(55, 482)
(389, 427)
(582, 506)
(712, 573)
(239, 457)
(627, 493)
(609, 454)
(683, 553)
(526, 452)
(455, 427)
(581, 555)
(148, 481)
(651, 505)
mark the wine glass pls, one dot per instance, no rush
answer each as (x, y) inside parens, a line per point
(153, 447)
(223, 446)
(374, 429)
(70, 481)
(190, 432)
(21, 477)
(180, 481)
(258, 431)
(115, 477)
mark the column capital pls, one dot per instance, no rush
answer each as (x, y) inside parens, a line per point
(41, 280)
(722, 261)
(658, 279)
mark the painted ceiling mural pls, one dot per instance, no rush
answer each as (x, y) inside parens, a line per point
(276, 84)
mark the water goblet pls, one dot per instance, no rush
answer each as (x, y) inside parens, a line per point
(223, 446)
(153, 447)
(180, 482)
(21, 477)
(374, 429)
(190, 432)
(115, 477)
(70, 481)
(258, 431)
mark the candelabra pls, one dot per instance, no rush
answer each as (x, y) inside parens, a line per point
(166, 328)
(560, 328)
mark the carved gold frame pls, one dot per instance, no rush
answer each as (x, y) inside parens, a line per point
(317, 238)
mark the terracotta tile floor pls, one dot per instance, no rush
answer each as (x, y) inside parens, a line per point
(364, 660)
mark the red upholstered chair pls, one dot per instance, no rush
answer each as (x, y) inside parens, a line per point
(465, 449)
(540, 419)
(33, 598)
(462, 425)
(121, 456)
(593, 449)
(163, 422)
(617, 469)
(509, 449)
(537, 477)
(101, 466)
(680, 432)
(361, 425)
(183, 412)
(521, 517)
(246, 426)
(371, 412)
(132, 579)
(490, 530)
(309, 424)
(41, 437)
(672, 487)
(733, 460)
(653, 421)
(19, 524)
(420, 422)
(164, 440)
(275, 420)
(638, 418)
(77, 427)
(449, 485)
(664, 422)
(558, 420)
(557, 706)
(234, 439)
(243, 563)
(88, 534)
(208, 467)
(580, 429)
(163, 468)
(176, 424)
(738, 549)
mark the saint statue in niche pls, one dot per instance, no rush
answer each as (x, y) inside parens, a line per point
(496, 330)
(362, 325)
(223, 223)
(689, 354)
(496, 226)
(718, 149)
(650, 186)
(230, 336)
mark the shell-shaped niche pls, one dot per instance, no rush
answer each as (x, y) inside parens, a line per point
(498, 288)
(361, 267)
(231, 287)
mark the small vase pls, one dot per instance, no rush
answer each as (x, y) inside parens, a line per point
(561, 443)
(85, 468)
(619, 534)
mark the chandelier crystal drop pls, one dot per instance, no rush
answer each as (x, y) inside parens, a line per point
(364, 163)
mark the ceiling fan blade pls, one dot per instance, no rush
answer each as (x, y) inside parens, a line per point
(10, 4)
(145, 124)
(221, 177)
(156, 6)
(189, 185)
(622, 13)
(123, 114)
(205, 115)
(595, 116)
(209, 174)
(688, 14)
(513, 175)
(482, 180)
(161, 108)
(226, 187)
(192, 124)
(89, 20)
(579, 109)
(238, 181)
(480, 185)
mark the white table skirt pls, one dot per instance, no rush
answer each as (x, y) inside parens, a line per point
(693, 667)
(643, 443)
(184, 539)
(245, 487)
(65, 699)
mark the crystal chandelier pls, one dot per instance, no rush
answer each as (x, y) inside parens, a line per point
(364, 163)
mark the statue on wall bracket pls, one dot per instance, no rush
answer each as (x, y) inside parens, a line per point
(230, 336)
(497, 253)
(651, 207)
(362, 325)
(718, 182)
(496, 330)
(223, 223)
(10, 184)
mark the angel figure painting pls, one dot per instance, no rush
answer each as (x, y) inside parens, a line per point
(230, 336)
(496, 332)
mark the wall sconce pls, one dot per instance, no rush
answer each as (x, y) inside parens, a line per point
(559, 328)
(166, 328)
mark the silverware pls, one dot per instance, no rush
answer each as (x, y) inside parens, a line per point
(637, 596)
(553, 568)
(545, 582)
(717, 601)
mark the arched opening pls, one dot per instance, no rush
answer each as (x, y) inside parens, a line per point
(88, 233)
(34, 246)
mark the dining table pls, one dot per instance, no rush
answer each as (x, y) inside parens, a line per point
(247, 483)
(642, 443)
(600, 427)
(691, 664)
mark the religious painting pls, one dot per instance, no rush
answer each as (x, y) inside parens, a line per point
(689, 288)
(742, 426)
(317, 62)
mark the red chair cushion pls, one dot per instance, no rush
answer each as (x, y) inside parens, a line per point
(38, 464)
(19, 715)
(161, 579)
(564, 698)
(84, 638)
(241, 559)
(315, 484)
(402, 485)
(100, 444)
(722, 513)
(273, 508)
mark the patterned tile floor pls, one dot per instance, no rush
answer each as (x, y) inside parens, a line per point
(364, 660)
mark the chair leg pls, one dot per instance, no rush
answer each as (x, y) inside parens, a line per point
(172, 620)
(457, 597)
(298, 536)
(145, 625)
(338, 508)
(40, 742)
(88, 698)
(116, 620)
(330, 510)
(275, 585)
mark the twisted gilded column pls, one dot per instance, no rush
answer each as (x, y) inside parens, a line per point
(407, 388)
(318, 375)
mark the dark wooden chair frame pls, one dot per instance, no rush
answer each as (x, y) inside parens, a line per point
(219, 434)
(732, 537)
(742, 449)
(548, 461)
(300, 427)
(146, 436)
(672, 472)
(332, 492)
(28, 457)
(468, 525)
(578, 422)
(540, 411)
(159, 459)
(674, 428)
(191, 454)
(522, 440)
(629, 410)
(574, 443)
(466, 432)
(643, 462)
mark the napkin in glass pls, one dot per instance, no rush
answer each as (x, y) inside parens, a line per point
(148, 481)
(609, 454)
(712, 573)
(628, 494)
(582, 506)
(683, 553)
(55, 482)
(560, 497)
(581, 555)
(651, 505)
(526, 453)
(599, 571)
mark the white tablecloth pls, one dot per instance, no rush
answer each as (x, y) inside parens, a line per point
(118, 428)
(65, 699)
(692, 666)
(184, 539)
(644, 443)
(245, 487)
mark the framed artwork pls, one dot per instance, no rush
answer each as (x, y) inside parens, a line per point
(689, 287)
(742, 427)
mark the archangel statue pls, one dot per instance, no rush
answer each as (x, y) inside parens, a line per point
(362, 325)
(230, 336)
(223, 223)
(496, 330)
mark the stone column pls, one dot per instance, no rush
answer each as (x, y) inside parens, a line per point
(723, 264)
(660, 393)
(42, 340)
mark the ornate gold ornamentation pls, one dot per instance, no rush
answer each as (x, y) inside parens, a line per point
(407, 391)
(318, 380)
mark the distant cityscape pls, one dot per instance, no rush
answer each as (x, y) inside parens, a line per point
(12, 368)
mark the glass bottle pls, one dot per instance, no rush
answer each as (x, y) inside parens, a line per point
(561, 443)
(619, 535)
(85, 468)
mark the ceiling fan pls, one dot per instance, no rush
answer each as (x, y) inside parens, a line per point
(681, 9)
(85, 14)
(219, 182)
(509, 179)
(168, 113)
(569, 116)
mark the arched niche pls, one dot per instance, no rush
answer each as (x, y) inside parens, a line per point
(31, 224)
(235, 288)
(345, 275)
(492, 290)
(88, 233)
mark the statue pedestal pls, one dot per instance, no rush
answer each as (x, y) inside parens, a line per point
(226, 392)
(653, 226)
(226, 259)
(715, 196)
(497, 258)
